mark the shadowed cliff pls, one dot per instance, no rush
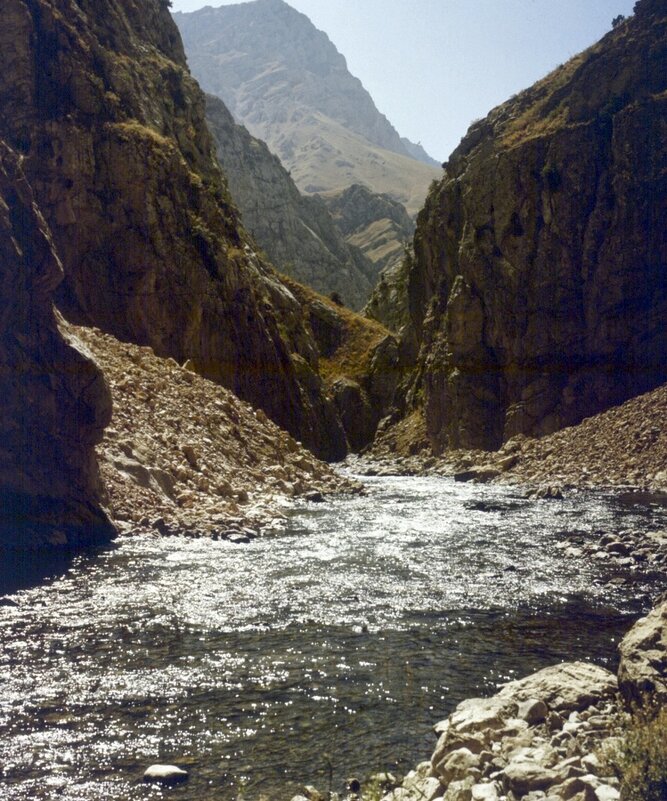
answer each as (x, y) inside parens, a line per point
(98, 100)
(55, 402)
(538, 292)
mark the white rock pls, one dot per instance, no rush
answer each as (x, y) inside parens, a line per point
(484, 792)
(458, 765)
(566, 687)
(166, 774)
(606, 793)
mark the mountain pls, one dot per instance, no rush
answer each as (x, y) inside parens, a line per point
(112, 137)
(376, 224)
(297, 232)
(538, 290)
(286, 82)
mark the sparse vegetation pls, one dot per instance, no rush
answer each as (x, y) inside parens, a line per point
(640, 758)
(359, 336)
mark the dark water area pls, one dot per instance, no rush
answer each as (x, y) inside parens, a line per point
(323, 652)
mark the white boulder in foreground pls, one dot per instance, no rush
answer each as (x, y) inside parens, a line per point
(166, 774)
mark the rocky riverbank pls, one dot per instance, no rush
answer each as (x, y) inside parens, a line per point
(625, 447)
(551, 736)
(184, 455)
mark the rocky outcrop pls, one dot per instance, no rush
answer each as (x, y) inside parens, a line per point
(55, 402)
(360, 363)
(377, 225)
(286, 82)
(552, 735)
(111, 129)
(538, 291)
(642, 673)
(296, 232)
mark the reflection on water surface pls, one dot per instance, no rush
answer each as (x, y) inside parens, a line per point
(339, 642)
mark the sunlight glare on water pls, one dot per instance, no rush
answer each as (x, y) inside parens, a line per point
(338, 642)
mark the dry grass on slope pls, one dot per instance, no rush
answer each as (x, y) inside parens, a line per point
(357, 336)
(188, 451)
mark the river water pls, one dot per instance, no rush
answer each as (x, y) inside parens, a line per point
(322, 652)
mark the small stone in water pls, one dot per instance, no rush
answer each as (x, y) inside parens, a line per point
(166, 774)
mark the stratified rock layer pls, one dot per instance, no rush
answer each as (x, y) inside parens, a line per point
(55, 402)
(98, 99)
(539, 288)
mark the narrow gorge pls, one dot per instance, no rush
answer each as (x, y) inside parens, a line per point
(311, 448)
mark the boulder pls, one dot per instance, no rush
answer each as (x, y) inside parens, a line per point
(643, 667)
(563, 688)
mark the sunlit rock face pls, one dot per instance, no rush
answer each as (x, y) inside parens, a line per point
(539, 287)
(98, 100)
(285, 81)
(55, 402)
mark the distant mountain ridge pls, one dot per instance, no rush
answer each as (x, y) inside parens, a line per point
(286, 82)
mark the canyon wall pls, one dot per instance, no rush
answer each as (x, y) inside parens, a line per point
(296, 231)
(538, 292)
(55, 402)
(110, 125)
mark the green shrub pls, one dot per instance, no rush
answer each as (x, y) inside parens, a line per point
(640, 758)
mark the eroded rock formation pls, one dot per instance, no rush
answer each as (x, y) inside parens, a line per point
(539, 286)
(97, 98)
(55, 402)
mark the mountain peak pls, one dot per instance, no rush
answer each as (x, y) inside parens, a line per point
(287, 83)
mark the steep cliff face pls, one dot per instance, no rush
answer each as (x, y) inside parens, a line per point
(539, 287)
(296, 232)
(55, 402)
(286, 82)
(98, 99)
(360, 362)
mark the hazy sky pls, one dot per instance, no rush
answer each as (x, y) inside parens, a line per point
(433, 66)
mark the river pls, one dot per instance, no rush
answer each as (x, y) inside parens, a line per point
(325, 651)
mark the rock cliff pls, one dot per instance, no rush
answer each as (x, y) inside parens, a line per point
(376, 224)
(286, 82)
(55, 402)
(360, 363)
(296, 231)
(98, 100)
(539, 287)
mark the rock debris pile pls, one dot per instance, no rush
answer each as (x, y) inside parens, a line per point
(184, 455)
(625, 446)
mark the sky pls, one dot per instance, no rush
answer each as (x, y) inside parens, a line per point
(434, 66)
